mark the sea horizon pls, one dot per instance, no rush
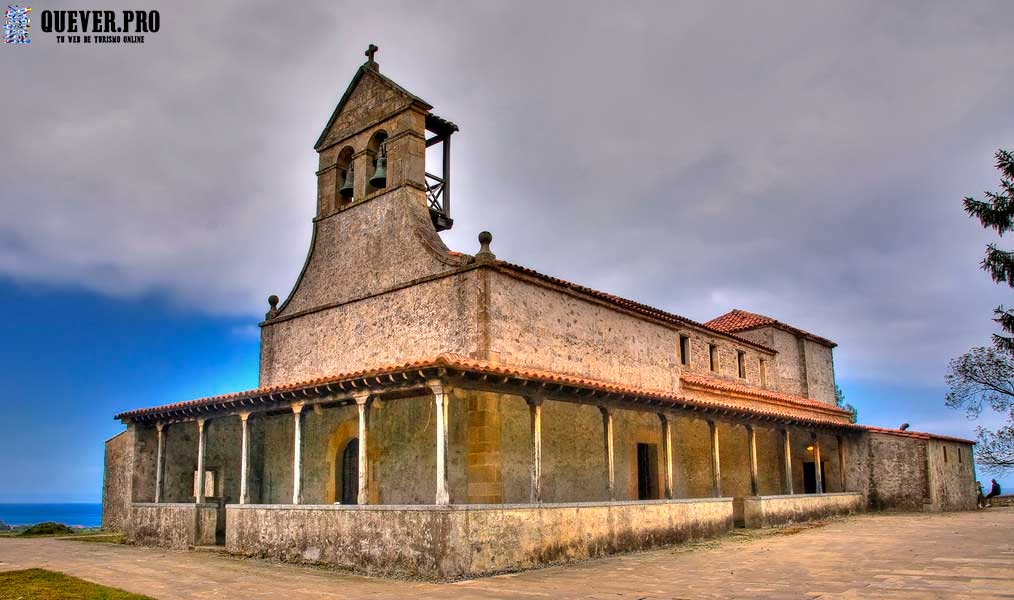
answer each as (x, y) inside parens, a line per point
(72, 514)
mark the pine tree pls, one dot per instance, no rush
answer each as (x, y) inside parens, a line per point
(997, 212)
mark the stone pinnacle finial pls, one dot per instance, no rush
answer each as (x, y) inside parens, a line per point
(273, 303)
(484, 252)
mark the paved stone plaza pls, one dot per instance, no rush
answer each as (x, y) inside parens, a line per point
(950, 555)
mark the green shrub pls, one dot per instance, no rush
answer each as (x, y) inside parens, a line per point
(47, 528)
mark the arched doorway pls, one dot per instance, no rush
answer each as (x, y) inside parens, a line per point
(348, 473)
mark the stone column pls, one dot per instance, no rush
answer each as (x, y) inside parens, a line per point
(535, 413)
(716, 462)
(752, 442)
(159, 461)
(607, 434)
(244, 457)
(841, 463)
(440, 400)
(667, 455)
(363, 403)
(787, 457)
(297, 453)
(200, 461)
(816, 465)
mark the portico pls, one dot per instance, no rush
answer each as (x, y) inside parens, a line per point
(445, 385)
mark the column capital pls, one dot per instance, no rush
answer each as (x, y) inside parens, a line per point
(200, 423)
(159, 426)
(362, 398)
(244, 415)
(664, 418)
(297, 407)
(605, 410)
(436, 386)
(535, 400)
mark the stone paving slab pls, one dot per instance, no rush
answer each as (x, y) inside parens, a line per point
(911, 556)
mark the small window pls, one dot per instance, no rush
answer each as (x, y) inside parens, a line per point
(685, 349)
(945, 453)
(961, 458)
(713, 357)
(764, 372)
(741, 362)
(209, 483)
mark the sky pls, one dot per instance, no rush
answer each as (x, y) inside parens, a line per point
(805, 161)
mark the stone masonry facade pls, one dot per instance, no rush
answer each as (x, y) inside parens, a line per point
(397, 373)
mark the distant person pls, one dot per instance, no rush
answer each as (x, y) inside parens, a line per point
(980, 500)
(994, 490)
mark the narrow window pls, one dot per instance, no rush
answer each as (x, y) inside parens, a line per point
(764, 372)
(685, 349)
(961, 458)
(945, 453)
(713, 357)
(741, 361)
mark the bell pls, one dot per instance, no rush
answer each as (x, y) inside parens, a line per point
(346, 189)
(379, 178)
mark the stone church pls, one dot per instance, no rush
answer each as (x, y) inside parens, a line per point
(441, 414)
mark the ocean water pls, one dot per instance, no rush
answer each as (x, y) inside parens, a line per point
(77, 514)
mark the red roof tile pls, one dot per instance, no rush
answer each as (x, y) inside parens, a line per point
(722, 385)
(740, 320)
(456, 362)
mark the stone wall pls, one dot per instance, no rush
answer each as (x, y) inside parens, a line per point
(802, 366)
(820, 381)
(180, 440)
(117, 480)
(897, 469)
(430, 318)
(908, 473)
(535, 326)
(768, 511)
(145, 457)
(951, 476)
(453, 542)
(172, 526)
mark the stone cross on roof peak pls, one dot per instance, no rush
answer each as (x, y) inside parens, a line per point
(371, 51)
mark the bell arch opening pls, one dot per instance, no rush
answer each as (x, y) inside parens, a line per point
(377, 152)
(344, 178)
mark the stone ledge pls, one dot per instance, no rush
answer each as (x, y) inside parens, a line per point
(469, 507)
(173, 505)
(766, 511)
(450, 542)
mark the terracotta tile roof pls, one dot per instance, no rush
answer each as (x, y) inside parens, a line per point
(280, 389)
(740, 320)
(723, 385)
(627, 304)
(916, 434)
(451, 363)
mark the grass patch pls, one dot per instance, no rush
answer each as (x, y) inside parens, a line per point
(40, 584)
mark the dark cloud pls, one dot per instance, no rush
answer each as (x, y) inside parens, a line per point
(802, 161)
